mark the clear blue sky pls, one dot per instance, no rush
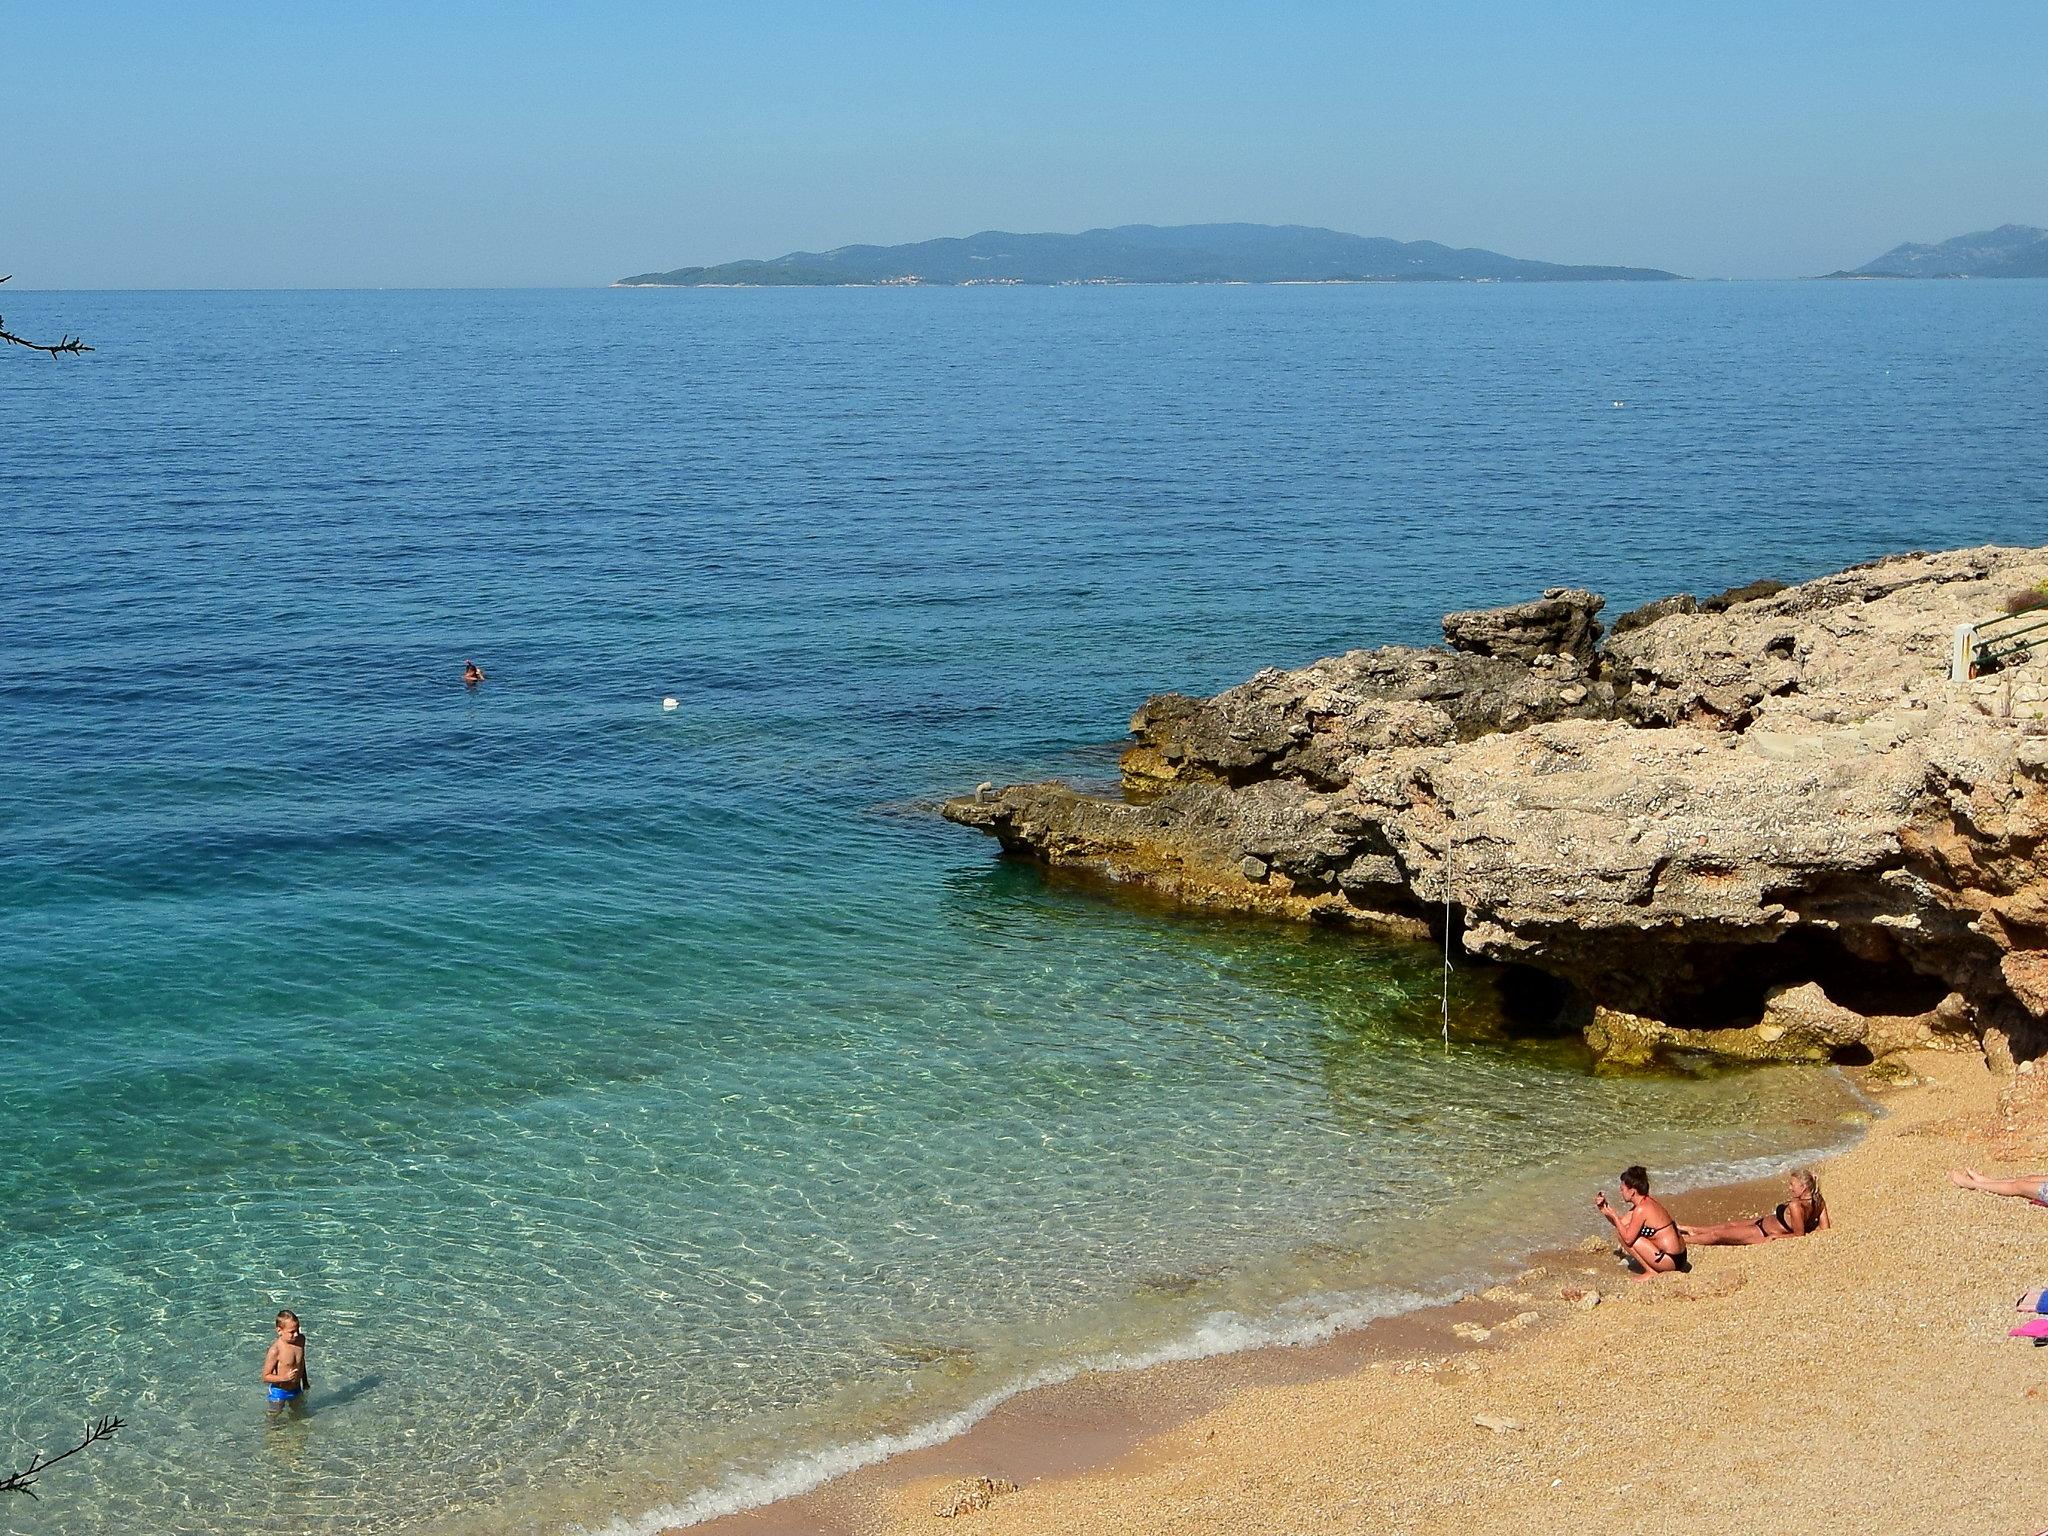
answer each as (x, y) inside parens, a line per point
(376, 144)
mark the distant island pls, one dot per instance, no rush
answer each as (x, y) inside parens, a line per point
(2011, 250)
(1141, 253)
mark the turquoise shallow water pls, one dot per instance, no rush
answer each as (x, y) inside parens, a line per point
(633, 1102)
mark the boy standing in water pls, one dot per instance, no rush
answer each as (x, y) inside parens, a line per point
(284, 1368)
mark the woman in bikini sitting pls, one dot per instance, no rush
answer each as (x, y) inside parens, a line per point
(1805, 1212)
(2028, 1186)
(1650, 1238)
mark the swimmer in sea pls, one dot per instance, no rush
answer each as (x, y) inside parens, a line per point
(472, 674)
(284, 1367)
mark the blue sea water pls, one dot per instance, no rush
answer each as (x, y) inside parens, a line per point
(640, 1103)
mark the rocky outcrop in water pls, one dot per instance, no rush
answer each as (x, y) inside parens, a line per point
(1766, 824)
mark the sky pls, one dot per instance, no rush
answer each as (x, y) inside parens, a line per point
(452, 145)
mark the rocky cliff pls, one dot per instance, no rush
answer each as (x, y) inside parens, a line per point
(1767, 824)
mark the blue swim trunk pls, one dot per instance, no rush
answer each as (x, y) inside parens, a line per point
(284, 1394)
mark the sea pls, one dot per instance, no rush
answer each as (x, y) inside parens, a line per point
(650, 1110)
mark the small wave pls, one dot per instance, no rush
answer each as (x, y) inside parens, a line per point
(1309, 1321)
(1764, 1165)
(1295, 1324)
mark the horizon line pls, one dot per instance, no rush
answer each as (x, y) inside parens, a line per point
(613, 283)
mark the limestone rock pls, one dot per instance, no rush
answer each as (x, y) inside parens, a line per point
(1806, 1014)
(1748, 592)
(1799, 1023)
(1559, 623)
(1775, 830)
(970, 1495)
(1620, 1039)
(1650, 613)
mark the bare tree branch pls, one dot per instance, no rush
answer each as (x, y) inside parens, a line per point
(69, 345)
(101, 1429)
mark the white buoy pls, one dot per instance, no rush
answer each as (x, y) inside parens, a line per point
(1619, 404)
(669, 703)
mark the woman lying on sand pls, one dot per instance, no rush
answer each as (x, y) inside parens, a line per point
(1649, 1236)
(2028, 1186)
(1805, 1212)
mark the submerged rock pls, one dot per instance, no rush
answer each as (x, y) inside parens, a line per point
(1774, 830)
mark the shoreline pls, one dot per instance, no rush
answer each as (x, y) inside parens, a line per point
(1082, 1423)
(1875, 1350)
(1217, 282)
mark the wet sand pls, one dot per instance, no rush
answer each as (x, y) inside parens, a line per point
(1859, 1380)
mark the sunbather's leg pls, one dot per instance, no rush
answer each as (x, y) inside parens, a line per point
(1724, 1233)
(2032, 1186)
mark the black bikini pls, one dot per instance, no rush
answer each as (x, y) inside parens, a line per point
(1679, 1262)
(1779, 1216)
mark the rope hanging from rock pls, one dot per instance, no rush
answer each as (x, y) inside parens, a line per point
(1450, 849)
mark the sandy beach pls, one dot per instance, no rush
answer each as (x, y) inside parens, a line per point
(1859, 1380)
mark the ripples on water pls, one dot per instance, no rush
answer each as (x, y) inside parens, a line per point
(627, 1099)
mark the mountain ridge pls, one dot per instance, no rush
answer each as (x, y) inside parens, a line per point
(1140, 253)
(2011, 250)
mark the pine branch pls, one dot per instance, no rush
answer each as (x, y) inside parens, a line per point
(69, 346)
(101, 1429)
